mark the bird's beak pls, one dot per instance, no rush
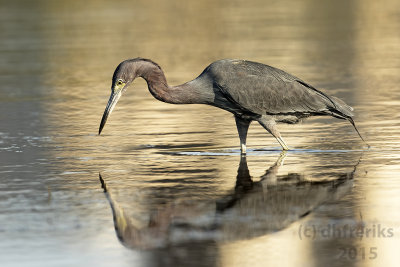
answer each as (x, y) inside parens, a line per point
(115, 95)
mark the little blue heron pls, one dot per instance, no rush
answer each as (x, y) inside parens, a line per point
(251, 91)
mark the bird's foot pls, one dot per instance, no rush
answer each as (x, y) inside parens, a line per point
(282, 143)
(243, 149)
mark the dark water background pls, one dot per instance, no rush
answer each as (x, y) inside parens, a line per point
(172, 171)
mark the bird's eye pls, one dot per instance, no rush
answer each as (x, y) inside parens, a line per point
(120, 81)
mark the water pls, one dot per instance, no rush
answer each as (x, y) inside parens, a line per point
(179, 193)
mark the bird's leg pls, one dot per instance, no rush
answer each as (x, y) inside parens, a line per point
(270, 126)
(242, 127)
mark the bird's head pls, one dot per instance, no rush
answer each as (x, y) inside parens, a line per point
(123, 76)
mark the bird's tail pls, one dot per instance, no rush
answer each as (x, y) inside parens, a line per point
(350, 119)
(342, 107)
(343, 111)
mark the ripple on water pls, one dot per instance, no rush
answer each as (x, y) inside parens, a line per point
(234, 152)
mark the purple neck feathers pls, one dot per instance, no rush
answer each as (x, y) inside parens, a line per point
(159, 88)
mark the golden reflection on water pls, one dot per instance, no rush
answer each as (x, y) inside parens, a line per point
(66, 53)
(377, 65)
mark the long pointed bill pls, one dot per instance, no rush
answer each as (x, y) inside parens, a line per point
(110, 106)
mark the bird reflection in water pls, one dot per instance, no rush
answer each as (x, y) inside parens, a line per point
(253, 209)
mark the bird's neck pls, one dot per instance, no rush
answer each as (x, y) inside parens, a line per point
(159, 88)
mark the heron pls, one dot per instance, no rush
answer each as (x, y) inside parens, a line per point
(250, 90)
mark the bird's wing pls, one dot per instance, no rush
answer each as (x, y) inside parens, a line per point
(262, 89)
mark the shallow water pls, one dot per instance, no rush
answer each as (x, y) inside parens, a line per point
(178, 191)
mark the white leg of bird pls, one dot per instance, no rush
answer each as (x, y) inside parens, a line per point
(242, 127)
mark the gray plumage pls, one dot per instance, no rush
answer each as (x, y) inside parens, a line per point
(251, 91)
(265, 90)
